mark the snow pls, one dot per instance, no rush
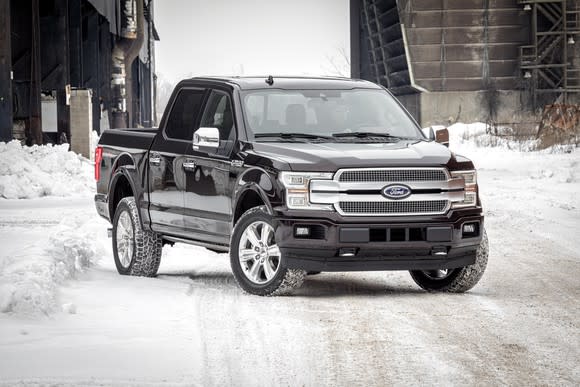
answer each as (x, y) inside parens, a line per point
(68, 318)
(49, 170)
(31, 274)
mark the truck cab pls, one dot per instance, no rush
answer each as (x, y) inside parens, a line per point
(292, 175)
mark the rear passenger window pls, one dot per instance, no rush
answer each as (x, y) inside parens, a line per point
(184, 114)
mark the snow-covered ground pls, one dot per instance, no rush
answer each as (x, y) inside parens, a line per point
(67, 317)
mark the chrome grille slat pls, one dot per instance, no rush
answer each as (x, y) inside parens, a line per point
(338, 191)
(393, 175)
(394, 207)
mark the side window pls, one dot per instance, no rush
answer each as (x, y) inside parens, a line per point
(218, 114)
(184, 114)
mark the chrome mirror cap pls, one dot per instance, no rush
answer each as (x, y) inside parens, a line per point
(206, 138)
(429, 133)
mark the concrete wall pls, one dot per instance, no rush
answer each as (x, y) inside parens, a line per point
(445, 108)
(465, 45)
(81, 122)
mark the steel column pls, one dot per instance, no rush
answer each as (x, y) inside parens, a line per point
(5, 73)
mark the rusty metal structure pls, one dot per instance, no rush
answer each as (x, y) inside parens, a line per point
(547, 60)
(487, 60)
(50, 47)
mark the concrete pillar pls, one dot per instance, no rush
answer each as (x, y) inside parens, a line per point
(81, 121)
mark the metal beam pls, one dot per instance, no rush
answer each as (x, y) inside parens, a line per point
(62, 109)
(35, 116)
(5, 73)
(355, 38)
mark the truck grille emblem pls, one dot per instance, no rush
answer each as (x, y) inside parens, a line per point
(396, 191)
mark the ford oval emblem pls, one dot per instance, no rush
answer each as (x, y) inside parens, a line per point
(396, 191)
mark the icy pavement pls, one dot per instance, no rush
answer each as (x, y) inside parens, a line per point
(193, 326)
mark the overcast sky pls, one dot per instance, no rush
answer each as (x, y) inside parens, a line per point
(251, 37)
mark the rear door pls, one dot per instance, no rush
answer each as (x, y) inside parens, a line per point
(166, 161)
(208, 182)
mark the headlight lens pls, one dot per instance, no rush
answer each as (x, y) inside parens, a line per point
(297, 189)
(470, 184)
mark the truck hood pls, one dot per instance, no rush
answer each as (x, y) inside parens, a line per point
(329, 157)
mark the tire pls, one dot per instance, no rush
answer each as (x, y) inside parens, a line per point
(457, 280)
(263, 272)
(137, 252)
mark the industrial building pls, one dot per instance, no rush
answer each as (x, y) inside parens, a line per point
(498, 61)
(70, 64)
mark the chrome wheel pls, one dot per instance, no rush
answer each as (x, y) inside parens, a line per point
(125, 239)
(438, 274)
(258, 253)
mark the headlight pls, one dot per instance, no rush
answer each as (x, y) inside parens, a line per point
(470, 184)
(297, 189)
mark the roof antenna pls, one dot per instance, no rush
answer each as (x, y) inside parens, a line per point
(270, 80)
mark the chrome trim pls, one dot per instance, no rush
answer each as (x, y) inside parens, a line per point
(343, 213)
(446, 174)
(197, 243)
(333, 191)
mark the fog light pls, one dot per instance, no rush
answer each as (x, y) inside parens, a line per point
(297, 201)
(469, 228)
(302, 231)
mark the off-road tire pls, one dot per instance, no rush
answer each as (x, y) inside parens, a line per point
(285, 279)
(461, 279)
(147, 244)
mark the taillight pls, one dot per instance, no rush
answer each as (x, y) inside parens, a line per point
(98, 159)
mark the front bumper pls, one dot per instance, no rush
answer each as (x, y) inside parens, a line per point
(402, 244)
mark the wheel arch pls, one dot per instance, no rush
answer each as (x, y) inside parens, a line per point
(121, 187)
(249, 197)
(255, 187)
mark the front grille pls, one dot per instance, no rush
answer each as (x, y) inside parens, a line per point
(393, 175)
(394, 208)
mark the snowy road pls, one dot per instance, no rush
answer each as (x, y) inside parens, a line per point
(193, 326)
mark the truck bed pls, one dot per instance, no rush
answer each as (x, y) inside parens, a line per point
(136, 138)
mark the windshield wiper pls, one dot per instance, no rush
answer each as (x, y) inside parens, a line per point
(364, 134)
(294, 135)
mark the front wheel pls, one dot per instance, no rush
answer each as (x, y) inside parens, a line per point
(257, 263)
(455, 280)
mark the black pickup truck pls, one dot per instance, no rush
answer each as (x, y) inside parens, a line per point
(292, 176)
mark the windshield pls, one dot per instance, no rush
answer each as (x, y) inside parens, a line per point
(326, 114)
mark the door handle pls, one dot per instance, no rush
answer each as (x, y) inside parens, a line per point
(155, 160)
(189, 165)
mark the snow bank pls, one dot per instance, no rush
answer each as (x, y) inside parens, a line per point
(477, 135)
(46, 170)
(29, 281)
(554, 165)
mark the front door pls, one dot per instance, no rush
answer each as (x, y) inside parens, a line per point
(208, 184)
(167, 161)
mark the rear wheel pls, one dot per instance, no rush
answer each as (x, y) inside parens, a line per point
(455, 280)
(136, 251)
(257, 263)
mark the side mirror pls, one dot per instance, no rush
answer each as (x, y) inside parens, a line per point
(429, 133)
(437, 133)
(208, 138)
(442, 136)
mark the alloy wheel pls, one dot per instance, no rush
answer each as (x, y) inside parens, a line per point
(125, 239)
(258, 253)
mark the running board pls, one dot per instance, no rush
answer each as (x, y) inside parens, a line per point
(212, 246)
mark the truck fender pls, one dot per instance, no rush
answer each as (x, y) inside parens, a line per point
(260, 182)
(130, 173)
